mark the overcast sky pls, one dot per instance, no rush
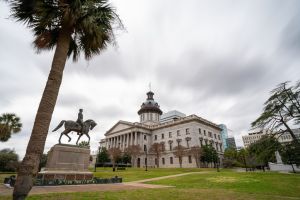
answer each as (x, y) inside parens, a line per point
(215, 59)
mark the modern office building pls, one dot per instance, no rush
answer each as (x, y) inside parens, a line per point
(230, 141)
(224, 134)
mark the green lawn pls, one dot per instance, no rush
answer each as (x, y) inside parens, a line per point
(225, 185)
(259, 183)
(133, 174)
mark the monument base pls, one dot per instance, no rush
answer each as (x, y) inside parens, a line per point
(64, 175)
(67, 163)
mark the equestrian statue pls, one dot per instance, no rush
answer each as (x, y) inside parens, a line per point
(80, 126)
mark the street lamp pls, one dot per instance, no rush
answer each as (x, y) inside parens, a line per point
(146, 161)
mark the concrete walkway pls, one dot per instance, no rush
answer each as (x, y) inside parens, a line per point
(97, 187)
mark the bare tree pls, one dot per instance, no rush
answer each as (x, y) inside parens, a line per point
(133, 151)
(196, 152)
(180, 152)
(157, 149)
(114, 154)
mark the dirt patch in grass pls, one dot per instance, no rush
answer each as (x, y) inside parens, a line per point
(222, 179)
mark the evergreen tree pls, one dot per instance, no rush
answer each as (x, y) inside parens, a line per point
(103, 155)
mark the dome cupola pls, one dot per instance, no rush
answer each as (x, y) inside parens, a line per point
(150, 112)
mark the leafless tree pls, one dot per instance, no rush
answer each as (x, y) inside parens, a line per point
(114, 154)
(157, 149)
(180, 152)
(133, 151)
(196, 152)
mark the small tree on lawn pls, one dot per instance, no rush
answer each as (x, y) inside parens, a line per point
(103, 156)
(180, 152)
(133, 151)
(230, 158)
(196, 152)
(264, 150)
(157, 149)
(291, 154)
(114, 154)
(209, 155)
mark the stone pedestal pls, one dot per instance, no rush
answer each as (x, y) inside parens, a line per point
(67, 162)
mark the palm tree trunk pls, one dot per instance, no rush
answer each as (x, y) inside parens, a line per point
(29, 166)
(180, 162)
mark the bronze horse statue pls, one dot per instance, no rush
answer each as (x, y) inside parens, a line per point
(74, 126)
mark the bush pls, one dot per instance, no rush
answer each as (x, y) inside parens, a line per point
(8, 160)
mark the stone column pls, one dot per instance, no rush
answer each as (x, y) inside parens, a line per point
(135, 138)
(131, 142)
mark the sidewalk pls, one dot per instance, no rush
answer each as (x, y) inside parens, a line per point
(140, 184)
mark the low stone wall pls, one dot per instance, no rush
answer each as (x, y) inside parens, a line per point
(283, 167)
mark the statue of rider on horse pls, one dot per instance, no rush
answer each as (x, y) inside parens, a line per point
(80, 126)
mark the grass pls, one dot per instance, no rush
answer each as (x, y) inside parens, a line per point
(268, 183)
(225, 185)
(133, 174)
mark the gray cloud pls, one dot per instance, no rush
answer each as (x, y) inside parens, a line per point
(215, 59)
(291, 36)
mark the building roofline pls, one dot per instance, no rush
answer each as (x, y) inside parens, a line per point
(182, 120)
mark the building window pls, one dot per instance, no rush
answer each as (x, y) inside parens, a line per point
(200, 131)
(187, 144)
(171, 160)
(209, 134)
(155, 137)
(190, 159)
(170, 134)
(178, 132)
(145, 137)
(215, 136)
(204, 132)
(219, 137)
(145, 148)
(187, 131)
(162, 136)
(170, 146)
(163, 146)
(163, 160)
(155, 161)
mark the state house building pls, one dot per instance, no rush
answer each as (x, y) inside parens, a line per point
(171, 129)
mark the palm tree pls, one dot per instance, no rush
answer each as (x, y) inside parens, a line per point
(9, 124)
(72, 26)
